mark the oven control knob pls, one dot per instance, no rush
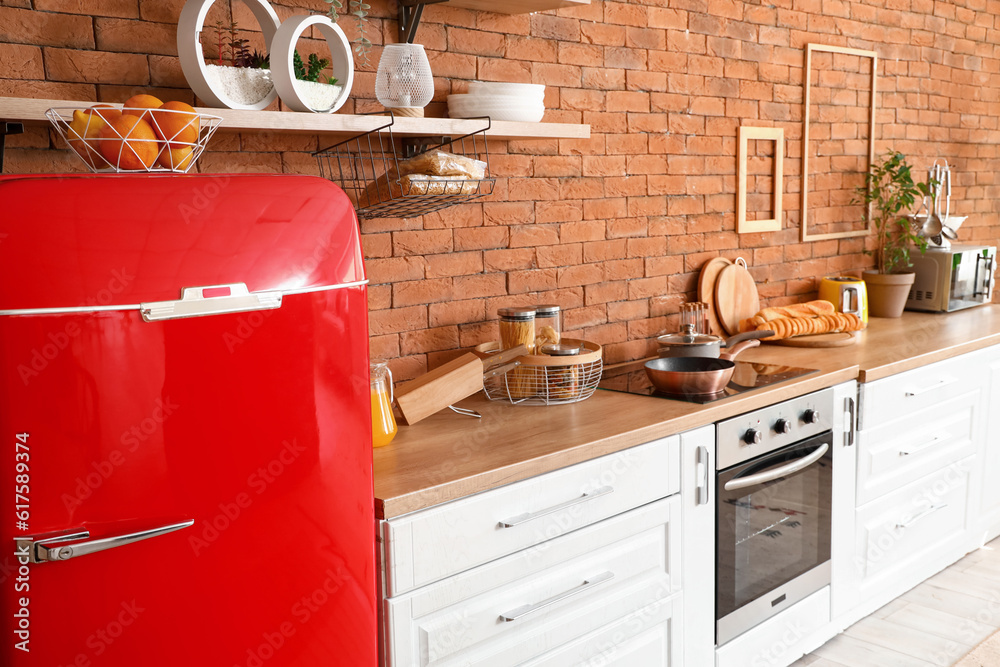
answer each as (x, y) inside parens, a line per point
(753, 436)
(782, 426)
(810, 416)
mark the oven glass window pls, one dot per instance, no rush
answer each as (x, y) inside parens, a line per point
(773, 531)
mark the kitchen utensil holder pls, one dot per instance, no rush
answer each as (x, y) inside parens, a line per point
(363, 159)
(547, 380)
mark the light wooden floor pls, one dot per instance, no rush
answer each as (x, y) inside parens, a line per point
(936, 623)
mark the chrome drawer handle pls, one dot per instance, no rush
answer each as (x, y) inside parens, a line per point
(920, 448)
(194, 303)
(524, 610)
(936, 385)
(777, 473)
(701, 471)
(925, 513)
(53, 547)
(524, 518)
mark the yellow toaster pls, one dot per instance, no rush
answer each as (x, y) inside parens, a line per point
(847, 294)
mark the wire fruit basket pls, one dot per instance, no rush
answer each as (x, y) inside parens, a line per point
(547, 380)
(159, 140)
(370, 169)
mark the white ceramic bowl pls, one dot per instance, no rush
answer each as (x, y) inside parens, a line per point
(526, 114)
(504, 88)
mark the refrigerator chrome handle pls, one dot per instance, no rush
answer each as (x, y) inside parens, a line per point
(194, 302)
(52, 547)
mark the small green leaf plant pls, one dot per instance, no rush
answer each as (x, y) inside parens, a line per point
(359, 10)
(889, 193)
(312, 69)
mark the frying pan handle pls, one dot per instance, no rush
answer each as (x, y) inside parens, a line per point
(730, 355)
(746, 335)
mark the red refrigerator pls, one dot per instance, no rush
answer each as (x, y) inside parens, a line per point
(185, 414)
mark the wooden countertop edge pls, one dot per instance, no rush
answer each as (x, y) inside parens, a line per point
(879, 372)
(398, 505)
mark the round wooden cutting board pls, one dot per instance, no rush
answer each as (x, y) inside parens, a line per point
(841, 339)
(706, 290)
(736, 297)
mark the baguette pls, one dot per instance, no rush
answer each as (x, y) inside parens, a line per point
(789, 327)
(807, 309)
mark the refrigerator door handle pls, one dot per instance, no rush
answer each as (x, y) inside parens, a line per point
(52, 547)
(210, 300)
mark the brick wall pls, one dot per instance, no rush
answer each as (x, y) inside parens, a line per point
(614, 228)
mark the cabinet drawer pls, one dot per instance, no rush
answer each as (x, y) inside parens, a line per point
(912, 525)
(630, 563)
(651, 637)
(432, 544)
(899, 452)
(912, 393)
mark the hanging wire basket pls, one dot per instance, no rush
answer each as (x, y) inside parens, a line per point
(546, 380)
(373, 169)
(179, 138)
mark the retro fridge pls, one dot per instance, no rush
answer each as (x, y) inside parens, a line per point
(186, 469)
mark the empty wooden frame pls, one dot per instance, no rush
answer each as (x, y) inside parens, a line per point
(772, 224)
(806, 149)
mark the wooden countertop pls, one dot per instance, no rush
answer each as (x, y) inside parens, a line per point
(449, 456)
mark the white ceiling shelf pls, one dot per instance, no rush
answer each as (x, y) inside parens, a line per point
(29, 110)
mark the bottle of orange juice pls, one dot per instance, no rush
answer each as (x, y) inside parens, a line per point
(383, 422)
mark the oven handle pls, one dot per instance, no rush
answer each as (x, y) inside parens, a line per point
(777, 473)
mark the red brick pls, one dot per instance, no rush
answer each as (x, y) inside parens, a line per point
(583, 274)
(558, 211)
(519, 282)
(475, 42)
(123, 8)
(559, 255)
(421, 242)
(416, 292)
(456, 312)
(605, 292)
(393, 269)
(577, 318)
(481, 238)
(23, 26)
(428, 340)
(397, 320)
(95, 67)
(21, 62)
(454, 264)
(383, 347)
(599, 251)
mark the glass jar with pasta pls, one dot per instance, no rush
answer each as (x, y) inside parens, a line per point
(517, 327)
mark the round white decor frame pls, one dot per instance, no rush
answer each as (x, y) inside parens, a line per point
(192, 58)
(283, 71)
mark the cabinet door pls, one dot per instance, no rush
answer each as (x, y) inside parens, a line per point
(989, 487)
(697, 617)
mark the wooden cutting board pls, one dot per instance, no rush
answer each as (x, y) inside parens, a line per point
(706, 290)
(736, 297)
(841, 339)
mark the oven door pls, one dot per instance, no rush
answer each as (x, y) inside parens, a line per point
(772, 533)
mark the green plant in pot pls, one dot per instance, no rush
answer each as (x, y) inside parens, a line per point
(890, 192)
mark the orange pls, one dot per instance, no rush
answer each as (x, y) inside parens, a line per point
(137, 105)
(129, 143)
(176, 122)
(177, 159)
(85, 126)
(105, 111)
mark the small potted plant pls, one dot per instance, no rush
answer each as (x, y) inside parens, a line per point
(890, 192)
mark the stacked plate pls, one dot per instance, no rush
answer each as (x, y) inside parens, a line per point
(522, 102)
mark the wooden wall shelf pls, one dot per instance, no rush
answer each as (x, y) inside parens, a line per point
(341, 125)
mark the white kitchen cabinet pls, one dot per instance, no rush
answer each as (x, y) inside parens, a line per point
(698, 548)
(920, 437)
(578, 566)
(988, 505)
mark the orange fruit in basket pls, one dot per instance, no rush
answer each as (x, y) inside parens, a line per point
(177, 159)
(129, 143)
(85, 126)
(177, 123)
(138, 104)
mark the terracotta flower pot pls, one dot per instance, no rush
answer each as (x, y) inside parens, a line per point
(887, 292)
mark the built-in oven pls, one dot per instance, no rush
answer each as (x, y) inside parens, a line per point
(773, 509)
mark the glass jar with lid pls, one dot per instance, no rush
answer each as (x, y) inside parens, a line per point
(547, 327)
(517, 327)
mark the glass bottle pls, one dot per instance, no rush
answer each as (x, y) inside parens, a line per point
(383, 421)
(547, 329)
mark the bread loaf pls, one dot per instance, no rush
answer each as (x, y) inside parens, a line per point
(789, 327)
(435, 172)
(808, 309)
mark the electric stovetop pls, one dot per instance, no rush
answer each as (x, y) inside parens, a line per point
(631, 379)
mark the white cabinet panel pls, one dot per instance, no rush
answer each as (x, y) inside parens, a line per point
(988, 524)
(432, 544)
(698, 548)
(903, 450)
(781, 639)
(629, 562)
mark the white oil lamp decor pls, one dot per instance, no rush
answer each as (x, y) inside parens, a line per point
(404, 82)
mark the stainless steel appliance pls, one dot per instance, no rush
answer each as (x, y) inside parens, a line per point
(952, 278)
(773, 508)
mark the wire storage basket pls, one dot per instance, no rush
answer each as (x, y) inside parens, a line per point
(547, 380)
(385, 182)
(173, 140)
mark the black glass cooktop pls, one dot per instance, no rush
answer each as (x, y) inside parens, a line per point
(747, 376)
